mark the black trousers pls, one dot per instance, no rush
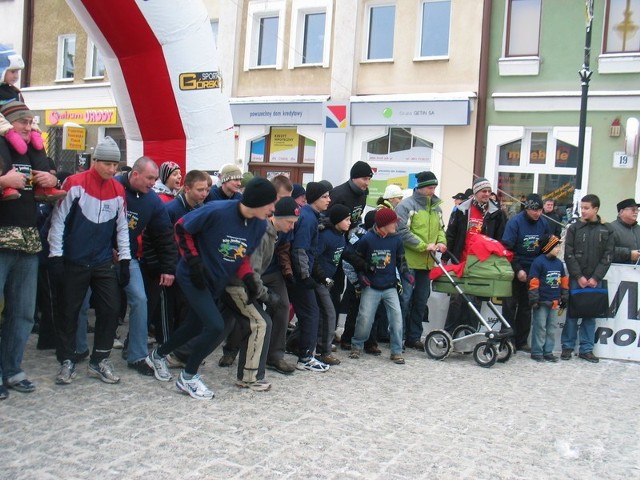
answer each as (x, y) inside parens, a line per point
(106, 301)
(517, 312)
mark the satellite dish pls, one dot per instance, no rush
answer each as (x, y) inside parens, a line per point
(632, 137)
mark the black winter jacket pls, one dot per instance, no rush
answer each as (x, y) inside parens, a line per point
(588, 249)
(492, 226)
(352, 197)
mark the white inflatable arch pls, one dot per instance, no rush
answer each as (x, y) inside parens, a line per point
(163, 67)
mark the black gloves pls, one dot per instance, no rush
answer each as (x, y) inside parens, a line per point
(253, 289)
(196, 273)
(125, 275)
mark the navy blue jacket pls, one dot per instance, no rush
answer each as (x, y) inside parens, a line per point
(331, 244)
(522, 236)
(216, 193)
(385, 254)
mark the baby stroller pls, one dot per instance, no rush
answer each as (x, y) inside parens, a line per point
(484, 275)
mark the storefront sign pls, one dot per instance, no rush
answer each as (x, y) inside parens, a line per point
(73, 137)
(284, 145)
(82, 116)
(303, 113)
(431, 112)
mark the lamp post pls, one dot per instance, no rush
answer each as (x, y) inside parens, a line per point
(585, 76)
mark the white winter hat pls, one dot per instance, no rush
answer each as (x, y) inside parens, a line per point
(392, 191)
(9, 60)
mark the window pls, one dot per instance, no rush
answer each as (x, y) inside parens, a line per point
(95, 64)
(214, 30)
(313, 42)
(66, 57)
(381, 30)
(264, 35)
(622, 27)
(268, 41)
(523, 28)
(400, 144)
(310, 33)
(436, 20)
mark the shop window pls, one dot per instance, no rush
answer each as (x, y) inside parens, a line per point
(523, 28)
(283, 145)
(66, 57)
(381, 23)
(436, 21)
(399, 144)
(264, 34)
(538, 162)
(95, 64)
(622, 26)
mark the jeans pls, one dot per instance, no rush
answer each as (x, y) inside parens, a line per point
(542, 331)
(137, 300)
(202, 327)
(18, 284)
(414, 300)
(369, 301)
(327, 320)
(83, 323)
(570, 329)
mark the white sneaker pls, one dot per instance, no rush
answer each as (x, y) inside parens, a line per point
(194, 387)
(257, 386)
(117, 344)
(311, 364)
(159, 366)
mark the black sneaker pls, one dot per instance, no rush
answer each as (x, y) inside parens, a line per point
(551, 358)
(537, 358)
(226, 361)
(589, 357)
(566, 354)
(141, 367)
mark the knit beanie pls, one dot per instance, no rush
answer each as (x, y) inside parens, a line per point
(548, 242)
(361, 169)
(107, 150)
(369, 219)
(385, 216)
(338, 212)
(9, 60)
(287, 207)
(533, 202)
(327, 184)
(426, 179)
(230, 172)
(246, 178)
(392, 191)
(15, 110)
(315, 190)
(480, 183)
(258, 193)
(298, 190)
(166, 169)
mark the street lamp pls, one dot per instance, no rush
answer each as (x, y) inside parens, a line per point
(585, 76)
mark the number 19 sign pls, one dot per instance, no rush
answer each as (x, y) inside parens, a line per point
(622, 160)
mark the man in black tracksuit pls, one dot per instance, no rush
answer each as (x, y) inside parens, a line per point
(353, 195)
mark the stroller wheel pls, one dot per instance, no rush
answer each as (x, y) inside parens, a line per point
(438, 344)
(505, 350)
(462, 331)
(485, 355)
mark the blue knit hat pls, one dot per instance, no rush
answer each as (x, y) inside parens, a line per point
(9, 60)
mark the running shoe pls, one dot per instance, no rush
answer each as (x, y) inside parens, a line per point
(67, 373)
(195, 387)
(159, 366)
(312, 365)
(103, 371)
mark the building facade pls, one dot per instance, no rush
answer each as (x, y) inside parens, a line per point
(536, 51)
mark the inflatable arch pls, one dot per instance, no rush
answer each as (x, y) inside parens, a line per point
(163, 67)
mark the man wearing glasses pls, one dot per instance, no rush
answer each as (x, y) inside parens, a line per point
(626, 232)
